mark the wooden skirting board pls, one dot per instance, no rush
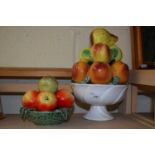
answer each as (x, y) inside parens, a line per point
(30, 73)
(23, 87)
(17, 72)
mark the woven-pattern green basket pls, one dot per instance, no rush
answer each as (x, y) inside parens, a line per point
(48, 117)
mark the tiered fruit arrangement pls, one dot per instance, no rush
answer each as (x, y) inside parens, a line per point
(48, 97)
(102, 62)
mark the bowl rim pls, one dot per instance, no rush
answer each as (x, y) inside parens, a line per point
(106, 85)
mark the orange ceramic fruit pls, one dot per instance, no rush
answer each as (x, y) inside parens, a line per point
(100, 73)
(101, 53)
(120, 70)
(79, 71)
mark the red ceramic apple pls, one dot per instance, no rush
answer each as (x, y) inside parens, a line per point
(79, 71)
(46, 101)
(64, 98)
(120, 70)
(29, 99)
(100, 73)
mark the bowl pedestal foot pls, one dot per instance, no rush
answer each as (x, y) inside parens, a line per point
(98, 113)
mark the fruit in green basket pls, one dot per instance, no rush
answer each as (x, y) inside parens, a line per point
(121, 71)
(101, 53)
(79, 71)
(100, 73)
(116, 53)
(48, 83)
(46, 101)
(64, 98)
(86, 55)
(29, 99)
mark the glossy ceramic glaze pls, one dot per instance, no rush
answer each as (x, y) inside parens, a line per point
(99, 96)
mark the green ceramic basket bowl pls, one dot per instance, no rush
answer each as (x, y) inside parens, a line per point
(48, 117)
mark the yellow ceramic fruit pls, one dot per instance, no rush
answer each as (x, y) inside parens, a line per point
(101, 53)
(101, 35)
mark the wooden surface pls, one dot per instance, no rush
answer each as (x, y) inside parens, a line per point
(142, 77)
(125, 106)
(23, 87)
(136, 47)
(145, 118)
(76, 122)
(134, 99)
(34, 72)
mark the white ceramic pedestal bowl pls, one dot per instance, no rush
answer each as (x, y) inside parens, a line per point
(98, 97)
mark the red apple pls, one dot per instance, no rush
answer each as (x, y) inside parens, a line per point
(29, 99)
(79, 71)
(46, 101)
(64, 98)
(100, 73)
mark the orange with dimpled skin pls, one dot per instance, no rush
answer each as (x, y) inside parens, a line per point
(100, 73)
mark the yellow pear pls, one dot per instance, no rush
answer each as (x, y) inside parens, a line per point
(101, 35)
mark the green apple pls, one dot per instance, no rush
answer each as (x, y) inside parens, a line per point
(48, 83)
(86, 55)
(116, 53)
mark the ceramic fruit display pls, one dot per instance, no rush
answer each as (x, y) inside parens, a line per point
(100, 76)
(48, 104)
(48, 84)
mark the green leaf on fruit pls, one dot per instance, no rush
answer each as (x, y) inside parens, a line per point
(114, 53)
(115, 80)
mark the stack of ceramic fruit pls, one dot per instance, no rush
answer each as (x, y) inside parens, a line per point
(102, 62)
(47, 98)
